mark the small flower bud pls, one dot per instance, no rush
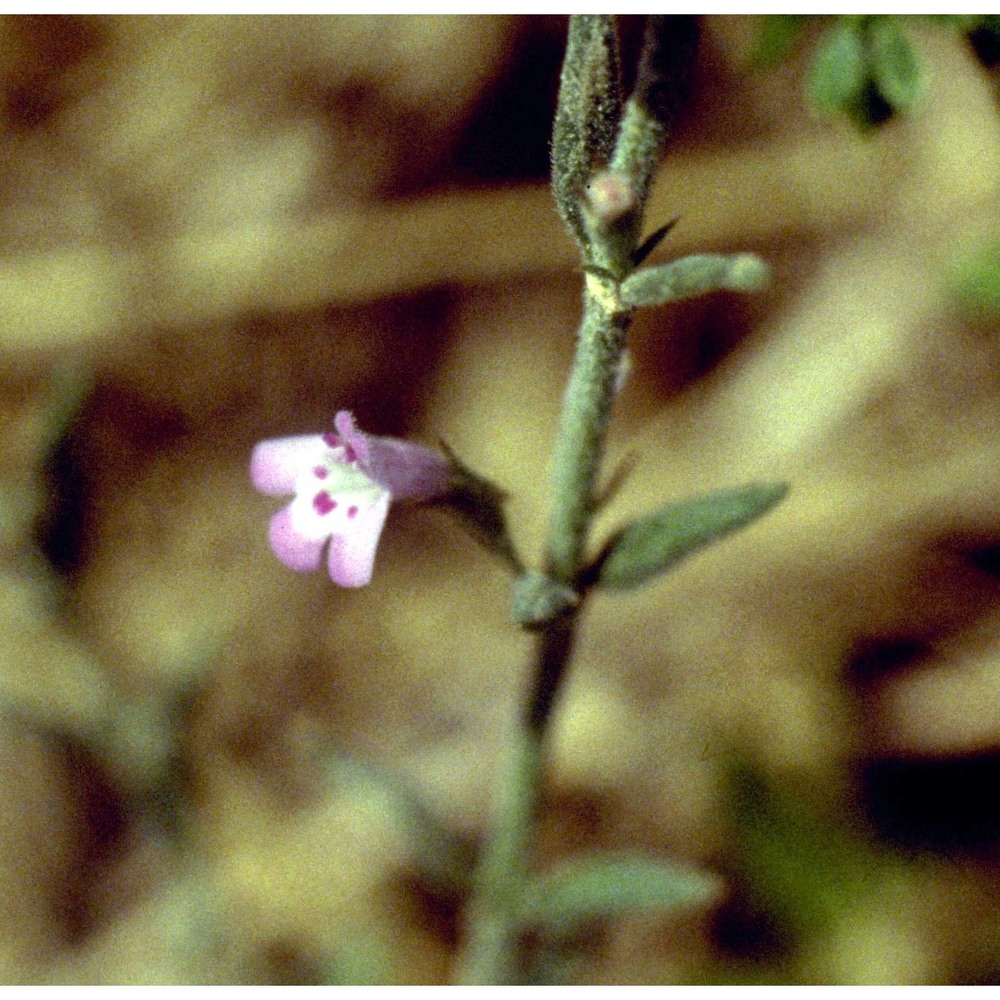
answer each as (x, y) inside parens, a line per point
(610, 195)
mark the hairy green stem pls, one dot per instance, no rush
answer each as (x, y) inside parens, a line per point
(583, 423)
(588, 135)
(491, 956)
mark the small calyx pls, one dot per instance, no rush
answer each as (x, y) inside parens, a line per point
(478, 503)
(539, 599)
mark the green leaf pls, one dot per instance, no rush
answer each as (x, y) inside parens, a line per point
(586, 889)
(361, 959)
(654, 544)
(60, 533)
(963, 23)
(839, 70)
(894, 64)
(695, 275)
(797, 859)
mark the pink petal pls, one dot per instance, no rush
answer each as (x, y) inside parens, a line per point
(294, 550)
(352, 555)
(276, 463)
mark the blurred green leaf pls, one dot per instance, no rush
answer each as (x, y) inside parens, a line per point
(586, 889)
(975, 282)
(865, 67)
(799, 864)
(777, 36)
(839, 70)
(654, 544)
(957, 22)
(441, 858)
(894, 65)
(60, 530)
(360, 960)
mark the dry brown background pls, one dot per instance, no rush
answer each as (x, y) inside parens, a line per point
(215, 230)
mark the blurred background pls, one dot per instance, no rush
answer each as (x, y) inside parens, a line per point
(218, 230)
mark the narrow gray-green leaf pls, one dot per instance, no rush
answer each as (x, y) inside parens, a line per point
(895, 66)
(692, 276)
(587, 113)
(654, 544)
(839, 69)
(609, 885)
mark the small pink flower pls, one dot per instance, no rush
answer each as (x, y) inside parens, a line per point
(343, 484)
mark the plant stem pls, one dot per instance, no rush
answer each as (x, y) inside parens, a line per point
(582, 425)
(491, 956)
(589, 133)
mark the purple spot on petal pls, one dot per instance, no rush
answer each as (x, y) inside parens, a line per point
(321, 472)
(352, 511)
(323, 503)
(331, 440)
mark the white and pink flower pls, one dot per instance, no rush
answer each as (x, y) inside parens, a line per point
(343, 483)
